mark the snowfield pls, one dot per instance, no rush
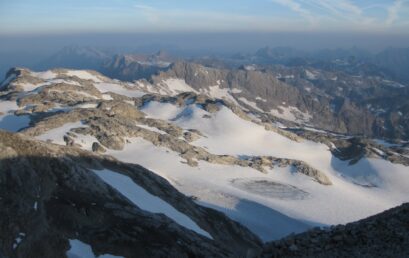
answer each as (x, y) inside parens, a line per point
(176, 86)
(345, 201)
(272, 204)
(146, 201)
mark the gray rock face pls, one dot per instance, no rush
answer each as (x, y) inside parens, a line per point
(129, 68)
(49, 195)
(326, 99)
(96, 147)
(112, 122)
(383, 235)
(267, 92)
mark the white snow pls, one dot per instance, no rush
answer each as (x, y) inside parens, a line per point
(106, 97)
(80, 249)
(86, 105)
(273, 204)
(9, 121)
(83, 74)
(219, 93)
(29, 86)
(56, 135)
(225, 133)
(379, 152)
(251, 104)
(314, 129)
(105, 87)
(159, 110)
(150, 128)
(46, 75)
(261, 99)
(250, 67)
(310, 75)
(236, 91)
(211, 183)
(291, 114)
(85, 141)
(32, 87)
(145, 200)
(176, 86)
(18, 240)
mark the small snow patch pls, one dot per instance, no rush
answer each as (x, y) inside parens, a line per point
(83, 74)
(79, 249)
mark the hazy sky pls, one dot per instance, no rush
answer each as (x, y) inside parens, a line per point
(76, 16)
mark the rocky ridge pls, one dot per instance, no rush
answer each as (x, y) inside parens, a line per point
(382, 235)
(113, 120)
(347, 103)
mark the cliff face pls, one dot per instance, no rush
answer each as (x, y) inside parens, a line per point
(263, 91)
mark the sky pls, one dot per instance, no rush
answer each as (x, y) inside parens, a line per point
(33, 30)
(23, 17)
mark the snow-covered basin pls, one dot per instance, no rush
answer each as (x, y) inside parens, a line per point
(271, 216)
(229, 134)
(9, 121)
(342, 202)
(80, 249)
(145, 200)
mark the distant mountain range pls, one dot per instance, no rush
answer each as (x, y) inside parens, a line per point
(75, 57)
(352, 90)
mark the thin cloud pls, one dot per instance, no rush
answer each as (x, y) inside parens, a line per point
(393, 12)
(143, 7)
(341, 8)
(296, 7)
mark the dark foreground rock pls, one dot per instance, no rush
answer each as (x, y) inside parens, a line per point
(49, 194)
(382, 235)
